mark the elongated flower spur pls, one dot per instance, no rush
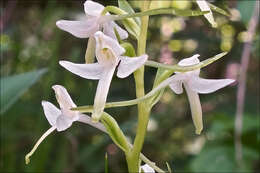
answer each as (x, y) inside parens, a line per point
(203, 5)
(109, 56)
(93, 22)
(61, 119)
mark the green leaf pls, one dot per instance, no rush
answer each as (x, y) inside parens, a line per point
(124, 5)
(246, 9)
(12, 87)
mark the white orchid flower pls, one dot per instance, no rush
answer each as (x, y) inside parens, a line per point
(193, 85)
(204, 6)
(109, 55)
(146, 169)
(61, 119)
(93, 22)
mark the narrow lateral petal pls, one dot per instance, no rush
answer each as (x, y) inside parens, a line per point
(209, 16)
(93, 8)
(63, 97)
(103, 41)
(195, 107)
(87, 120)
(101, 93)
(51, 112)
(128, 65)
(88, 71)
(80, 29)
(63, 122)
(176, 87)
(108, 29)
(147, 169)
(205, 86)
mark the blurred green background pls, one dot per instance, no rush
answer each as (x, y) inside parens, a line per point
(31, 42)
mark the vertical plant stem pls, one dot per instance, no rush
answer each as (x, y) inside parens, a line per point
(143, 110)
(242, 86)
(90, 51)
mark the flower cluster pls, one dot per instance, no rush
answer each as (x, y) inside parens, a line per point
(110, 56)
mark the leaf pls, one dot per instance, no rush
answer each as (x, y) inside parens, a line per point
(13, 87)
(246, 9)
(124, 5)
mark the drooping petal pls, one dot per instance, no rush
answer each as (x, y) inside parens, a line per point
(205, 86)
(88, 71)
(93, 8)
(47, 133)
(176, 82)
(128, 65)
(51, 112)
(195, 107)
(108, 29)
(147, 169)
(102, 92)
(80, 29)
(190, 61)
(105, 42)
(209, 16)
(63, 122)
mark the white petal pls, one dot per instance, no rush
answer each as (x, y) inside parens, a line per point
(195, 107)
(128, 65)
(51, 112)
(87, 120)
(176, 87)
(101, 93)
(63, 122)
(147, 169)
(93, 8)
(63, 97)
(205, 86)
(88, 71)
(190, 61)
(209, 16)
(103, 41)
(108, 29)
(80, 29)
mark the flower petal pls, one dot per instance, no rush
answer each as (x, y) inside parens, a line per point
(108, 29)
(93, 8)
(87, 120)
(88, 71)
(102, 92)
(209, 16)
(63, 97)
(205, 86)
(147, 169)
(103, 41)
(195, 107)
(51, 112)
(190, 61)
(63, 122)
(80, 29)
(128, 65)
(176, 87)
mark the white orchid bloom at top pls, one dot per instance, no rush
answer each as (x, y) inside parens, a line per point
(193, 85)
(109, 55)
(61, 119)
(204, 6)
(93, 22)
(146, 169)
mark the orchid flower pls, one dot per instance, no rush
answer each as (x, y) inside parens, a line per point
(93, 22)
(203, 5)
(61, 119)
(193, 85)
(146, 169)
(109, 56)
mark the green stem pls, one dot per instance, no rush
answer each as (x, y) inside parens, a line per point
(90, 51)
(143, 111)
